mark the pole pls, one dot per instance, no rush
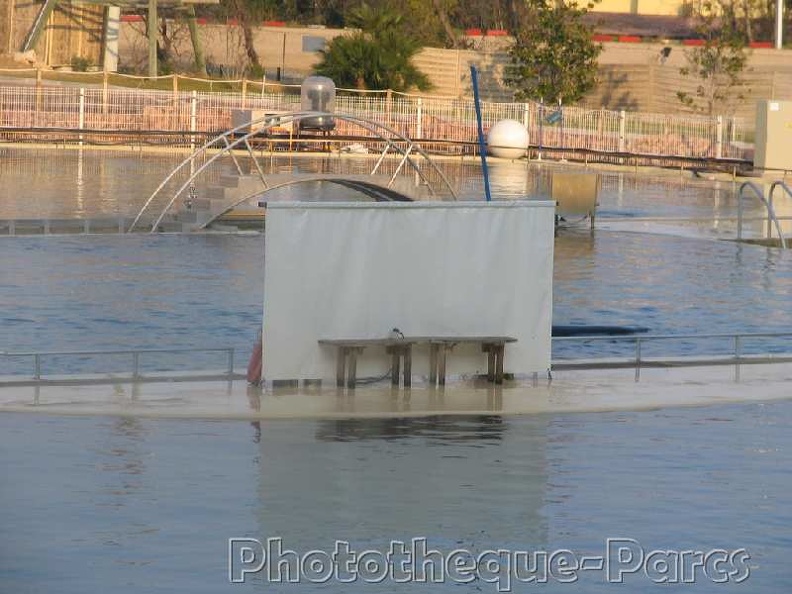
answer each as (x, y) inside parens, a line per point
(153, 21)
(482, 145)
(779, 24)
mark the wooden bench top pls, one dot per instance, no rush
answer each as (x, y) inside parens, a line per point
(364, 342)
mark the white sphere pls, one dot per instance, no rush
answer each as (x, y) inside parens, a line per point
(507, 139)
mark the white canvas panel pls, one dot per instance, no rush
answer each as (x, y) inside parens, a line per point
(357, 270)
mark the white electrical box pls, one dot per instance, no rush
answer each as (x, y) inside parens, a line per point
(773, 135)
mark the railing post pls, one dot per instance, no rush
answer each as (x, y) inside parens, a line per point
(230, 362)
(737, 357)
(739, 213)
(37, 366)
(637, 359)
(81, 114)
(622, 130)
(135, 365)
(193, 119)
(719, 137)
(419, 119)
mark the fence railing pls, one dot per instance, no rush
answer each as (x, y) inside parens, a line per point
(137, 365)
(116, 110)
(724, 349)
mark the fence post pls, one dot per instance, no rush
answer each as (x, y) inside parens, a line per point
(105, 77)
(193, 118)
(230, 362)
(263, 83)
(737, 357)
(622, 130)
(38, 94)
(719, 137)
(81, 116)
(244, 92)
(419, 119)
(175, 78)
(637, 359)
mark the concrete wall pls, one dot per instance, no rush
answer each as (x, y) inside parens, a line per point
(648, 7)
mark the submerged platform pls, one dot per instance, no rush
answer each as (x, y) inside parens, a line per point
(568, 391)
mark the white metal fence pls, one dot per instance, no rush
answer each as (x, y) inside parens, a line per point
(445, 125)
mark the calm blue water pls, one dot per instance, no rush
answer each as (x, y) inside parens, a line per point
(138, 505)
(141, 291)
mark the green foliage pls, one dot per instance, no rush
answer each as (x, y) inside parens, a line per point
(80, 64)
(378, 57)
(718, 64)
(553, 56)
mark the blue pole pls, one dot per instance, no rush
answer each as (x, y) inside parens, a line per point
(482, 144)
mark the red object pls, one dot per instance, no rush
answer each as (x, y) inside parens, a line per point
(629, 39)
(473, 32)
(131, 18)
(497, 33)
(767, 44)
(254, 366)
(600, 37)
(692, 42)
(202, 21)
(232, 22)
(274, 24)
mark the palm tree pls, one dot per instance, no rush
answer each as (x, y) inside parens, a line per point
(378, 57)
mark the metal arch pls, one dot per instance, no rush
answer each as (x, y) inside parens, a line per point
(362, 187)
(771, 216)
(271, 121)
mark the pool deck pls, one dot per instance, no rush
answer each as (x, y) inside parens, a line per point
(569, 391)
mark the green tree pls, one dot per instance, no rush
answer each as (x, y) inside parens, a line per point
(377, 57)
(553, 56)
(718, 64)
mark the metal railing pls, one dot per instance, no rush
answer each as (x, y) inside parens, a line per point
(421, 118)
(771, 216)
(736, 351)
(239, 137)
(133, 369)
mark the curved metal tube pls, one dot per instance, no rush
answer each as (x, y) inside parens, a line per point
(355, 185)
(768, 204)
(271, 121)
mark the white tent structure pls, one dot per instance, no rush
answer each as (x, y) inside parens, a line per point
(359, 270)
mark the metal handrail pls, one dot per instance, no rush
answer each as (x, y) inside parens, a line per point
(736, 340)
(759, 192)
(242, 133)
(135, 354)
(777, 184)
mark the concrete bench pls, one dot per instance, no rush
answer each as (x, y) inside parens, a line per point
(400, 349)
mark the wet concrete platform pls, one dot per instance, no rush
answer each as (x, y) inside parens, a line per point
(568, 391)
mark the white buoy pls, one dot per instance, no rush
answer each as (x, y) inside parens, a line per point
(507, 139)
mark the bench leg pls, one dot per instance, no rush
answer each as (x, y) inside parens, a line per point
(340, 365)
(441, 364)
(407, 366)
(395, 366)
(433, 349)
(352, 371)
(498, 363)
(490, 361)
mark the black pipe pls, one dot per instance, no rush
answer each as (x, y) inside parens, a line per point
(559, 330)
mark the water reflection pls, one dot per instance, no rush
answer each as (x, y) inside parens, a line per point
(461, 482)
(437, 429)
